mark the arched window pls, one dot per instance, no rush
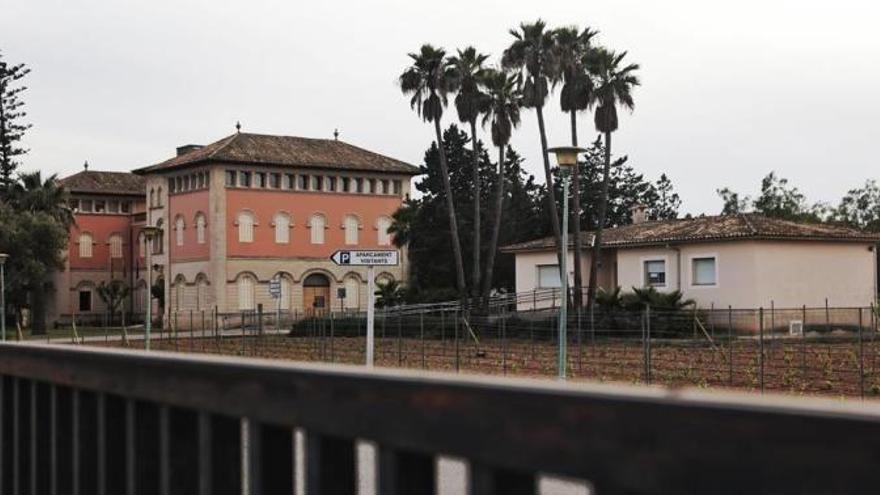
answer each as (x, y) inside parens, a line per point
(317, 224)
(115, 242)
(282, 227)
(159, 196)
(85, 245)
(179, 292)
(200, 228)
(246, 286)
(352, 293)
(159, 238)
(246, 227)
(382, 225)
(201, 292)
(178, 230)
(286, 286)
(351, 225)
(152, 197)
(142, 245)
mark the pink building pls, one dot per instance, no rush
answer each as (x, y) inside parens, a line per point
(109, 210)
(250, 208)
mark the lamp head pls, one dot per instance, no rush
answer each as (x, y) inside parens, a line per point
(566, 156)
(3, 258)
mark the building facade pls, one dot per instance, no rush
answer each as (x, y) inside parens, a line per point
(739, 261)
(248, 209)
(109, 211)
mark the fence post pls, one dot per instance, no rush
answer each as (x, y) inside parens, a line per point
(242, 333)
(761, 343)
(803, 340)
(502, 322)
(457, 354)
(861, 359)
(730, 345)
(648, 341)
(332, 337)
(422, 334)
(191, 331)
(399, 339)
(644, 348)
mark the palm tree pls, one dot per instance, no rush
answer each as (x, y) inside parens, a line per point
(429, 80)
(505, 100)
(32, 193)
(614, 83)
(573, 48)
(532, 53)
(389, 294)
(470, 102)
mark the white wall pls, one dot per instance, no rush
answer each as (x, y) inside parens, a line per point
(750, 274)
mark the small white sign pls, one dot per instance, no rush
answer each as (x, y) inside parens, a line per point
(388, 257)
(275, 288)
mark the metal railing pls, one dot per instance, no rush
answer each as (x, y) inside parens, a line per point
(87, 421)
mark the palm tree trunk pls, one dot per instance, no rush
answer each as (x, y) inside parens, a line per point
(475, 282)
(453, 223)
(603, 207)
(576, 221)
(496, 226)
(548, 177)
(38, 310)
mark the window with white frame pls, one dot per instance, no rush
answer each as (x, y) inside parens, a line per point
(85, 245)
(317, 224)
(246, 286)
(178, 230)
(115, 242)
(655, 273)
(200, 228)
(384, 237)
(245, 227)
(351, 225)
(282, 228)
(286, 286)
(548, 277)
(704, 270)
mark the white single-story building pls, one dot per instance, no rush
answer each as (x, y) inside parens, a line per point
(739, 261)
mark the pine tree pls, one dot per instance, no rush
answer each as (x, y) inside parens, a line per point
(11, 114)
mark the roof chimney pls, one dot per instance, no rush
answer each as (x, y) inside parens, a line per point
(639, 213)
(187, 148)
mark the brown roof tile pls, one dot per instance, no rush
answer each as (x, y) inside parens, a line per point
(96, 182)
(261, 149)
(709, 228)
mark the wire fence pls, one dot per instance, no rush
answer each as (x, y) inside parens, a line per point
(803, 350)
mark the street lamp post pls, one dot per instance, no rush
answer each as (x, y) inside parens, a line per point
(3, 258)
(566, 158)
(149, 234)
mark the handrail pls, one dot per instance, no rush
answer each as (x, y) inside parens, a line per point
(619, 438)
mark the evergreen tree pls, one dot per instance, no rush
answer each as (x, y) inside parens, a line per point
(778, 199)
(11, 114)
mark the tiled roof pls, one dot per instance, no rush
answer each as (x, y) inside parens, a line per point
(261, 149)
(95, 182)
(709, 228)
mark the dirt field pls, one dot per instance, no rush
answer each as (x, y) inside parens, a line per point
(836, 367)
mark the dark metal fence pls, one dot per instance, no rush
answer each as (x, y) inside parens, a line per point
(89, 421)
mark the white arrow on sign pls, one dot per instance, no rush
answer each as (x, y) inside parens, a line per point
(387, 257)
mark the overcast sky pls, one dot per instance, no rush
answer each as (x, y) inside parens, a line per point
(731, 90)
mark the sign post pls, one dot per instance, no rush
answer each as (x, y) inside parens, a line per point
(370, 259)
